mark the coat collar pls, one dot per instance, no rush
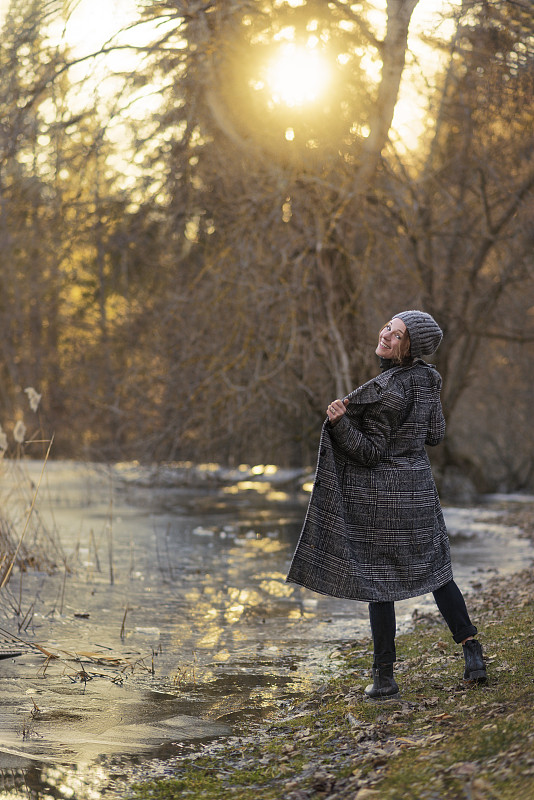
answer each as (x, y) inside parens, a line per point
(370, 392)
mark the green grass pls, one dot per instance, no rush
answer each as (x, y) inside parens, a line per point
(441, 740)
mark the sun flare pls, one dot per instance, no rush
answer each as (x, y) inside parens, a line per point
(297, 75)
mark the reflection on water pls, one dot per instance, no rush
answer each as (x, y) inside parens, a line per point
(172, 619)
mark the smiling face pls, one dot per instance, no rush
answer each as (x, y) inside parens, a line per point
(393, 341)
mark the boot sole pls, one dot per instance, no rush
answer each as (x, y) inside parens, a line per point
(477, 676)
(382, 698)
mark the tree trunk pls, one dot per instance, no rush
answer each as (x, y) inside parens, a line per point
(393, 58)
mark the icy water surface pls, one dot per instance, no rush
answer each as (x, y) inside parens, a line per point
(169, 619)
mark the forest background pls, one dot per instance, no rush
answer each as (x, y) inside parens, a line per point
(193, 263)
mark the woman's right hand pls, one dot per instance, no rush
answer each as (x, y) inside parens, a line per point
(335, 410)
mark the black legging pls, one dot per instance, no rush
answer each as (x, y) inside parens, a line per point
(451, 604)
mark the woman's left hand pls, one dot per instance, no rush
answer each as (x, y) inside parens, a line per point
(336, 409)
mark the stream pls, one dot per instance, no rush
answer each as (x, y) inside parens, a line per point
(167, 621)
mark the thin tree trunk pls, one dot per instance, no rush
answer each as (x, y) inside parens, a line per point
(393, 59)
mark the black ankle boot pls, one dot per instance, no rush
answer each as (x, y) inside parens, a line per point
(475, 669)
(383, 685)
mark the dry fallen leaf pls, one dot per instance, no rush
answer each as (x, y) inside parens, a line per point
(464, 768)
(367, 794)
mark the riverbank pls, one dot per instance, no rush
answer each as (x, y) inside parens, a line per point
(441, 740)
(173, 625)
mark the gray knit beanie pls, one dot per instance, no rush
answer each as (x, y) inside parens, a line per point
(425, 333)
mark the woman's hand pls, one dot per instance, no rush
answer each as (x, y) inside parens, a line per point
(336, 409)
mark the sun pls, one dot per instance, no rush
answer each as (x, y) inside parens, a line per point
(297, 75)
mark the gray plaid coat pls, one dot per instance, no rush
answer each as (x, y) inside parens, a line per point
(374, 528)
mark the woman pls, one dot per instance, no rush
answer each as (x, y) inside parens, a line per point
(374, 529)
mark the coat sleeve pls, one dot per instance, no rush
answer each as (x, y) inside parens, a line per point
(365, 440)
(436, 426)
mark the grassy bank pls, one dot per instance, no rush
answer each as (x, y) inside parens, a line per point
(441, 740)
